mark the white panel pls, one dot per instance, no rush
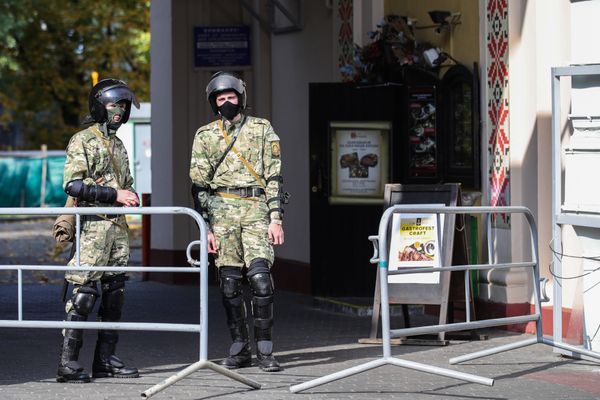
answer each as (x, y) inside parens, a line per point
(298, 59)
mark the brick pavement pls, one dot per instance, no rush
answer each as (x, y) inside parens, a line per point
(310, 342)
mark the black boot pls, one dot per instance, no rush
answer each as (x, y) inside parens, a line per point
(262, 311)
(264, 354)
(69, 369)
(81, 304)
(106, 363)
(240, 355)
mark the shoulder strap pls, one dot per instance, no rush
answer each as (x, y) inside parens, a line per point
(246, 163)
(229, 145)
(110, 154)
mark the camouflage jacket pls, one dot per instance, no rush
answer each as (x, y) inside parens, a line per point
(89, 159)
(257, 142)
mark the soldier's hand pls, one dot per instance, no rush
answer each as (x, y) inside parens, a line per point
(127, 198)
(212, 244)
(275, 234)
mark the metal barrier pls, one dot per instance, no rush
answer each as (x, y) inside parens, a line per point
(381, 257)
(201, 328)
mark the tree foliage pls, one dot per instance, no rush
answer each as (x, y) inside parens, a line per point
(48, 50)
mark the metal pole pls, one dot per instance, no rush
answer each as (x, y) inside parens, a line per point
(468, 295)
(20, 293)
(44, 175)
(77, 242)
(383, 284)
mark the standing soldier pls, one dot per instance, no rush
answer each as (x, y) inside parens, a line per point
(236, 185)
(97, 175)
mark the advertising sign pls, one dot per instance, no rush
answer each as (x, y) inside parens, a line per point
(359, 164)
(415, 243)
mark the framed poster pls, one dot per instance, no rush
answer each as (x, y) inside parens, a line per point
(415, 242)
(359, 161)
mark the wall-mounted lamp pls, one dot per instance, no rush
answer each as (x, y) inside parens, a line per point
(444, 21)
(435, 57)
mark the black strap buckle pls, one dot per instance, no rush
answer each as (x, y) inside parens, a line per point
(243, 192)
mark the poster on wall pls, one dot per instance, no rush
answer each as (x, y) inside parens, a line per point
(415, 243)
(422, 133)
(359, 161)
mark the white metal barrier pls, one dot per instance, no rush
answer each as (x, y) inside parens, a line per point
(202, 269)
(381, 257)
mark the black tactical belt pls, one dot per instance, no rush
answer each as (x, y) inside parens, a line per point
(244, 192)
(100, 217)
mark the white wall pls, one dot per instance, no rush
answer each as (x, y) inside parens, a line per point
(297, 59)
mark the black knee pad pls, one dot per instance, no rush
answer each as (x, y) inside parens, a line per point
(230, 281)
(83, 301)
(258, 266)
(261, 284)
(113, 297)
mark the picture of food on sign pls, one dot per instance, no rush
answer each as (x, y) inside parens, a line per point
(418, 252)
(369, 160)
(349, 160)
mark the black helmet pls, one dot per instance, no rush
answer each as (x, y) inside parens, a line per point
(110, 91)
(223, 82)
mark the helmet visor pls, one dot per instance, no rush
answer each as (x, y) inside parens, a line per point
(116, 94)
(223, 83)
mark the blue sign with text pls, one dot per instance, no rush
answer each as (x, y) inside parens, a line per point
(221, 46)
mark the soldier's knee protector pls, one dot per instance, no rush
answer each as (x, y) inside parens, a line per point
(230, 281)
(113, 297)
(261, 285)
(83, 302)
(258, 266)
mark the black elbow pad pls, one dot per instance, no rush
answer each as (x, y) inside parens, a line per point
(75, 188)
(91, 193)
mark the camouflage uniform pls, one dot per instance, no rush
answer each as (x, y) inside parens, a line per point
(96, 168)
(102, 243)
(240, 225)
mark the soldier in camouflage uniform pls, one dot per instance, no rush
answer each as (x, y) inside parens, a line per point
(236, 185)
(97, 175)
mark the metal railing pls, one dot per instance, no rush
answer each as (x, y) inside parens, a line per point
(201, 268)
(381, 257)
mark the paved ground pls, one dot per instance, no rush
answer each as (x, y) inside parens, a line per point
(310, 343)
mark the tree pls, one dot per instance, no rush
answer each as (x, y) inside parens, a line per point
(48, 49)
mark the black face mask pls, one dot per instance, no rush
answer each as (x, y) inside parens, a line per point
(229, 110)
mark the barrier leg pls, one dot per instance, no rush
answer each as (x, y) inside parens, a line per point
(574, 349)
(494, 350)
(391, 361)
(193, 368)
(338, 375)
(441, 371)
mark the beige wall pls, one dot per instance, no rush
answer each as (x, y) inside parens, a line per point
(464, 45)
(180, 106)
(535, 45)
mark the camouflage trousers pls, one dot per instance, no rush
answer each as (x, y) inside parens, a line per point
(240, 227)
(102, 243)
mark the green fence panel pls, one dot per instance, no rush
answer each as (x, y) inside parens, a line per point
(55, 195)
(20, 182)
